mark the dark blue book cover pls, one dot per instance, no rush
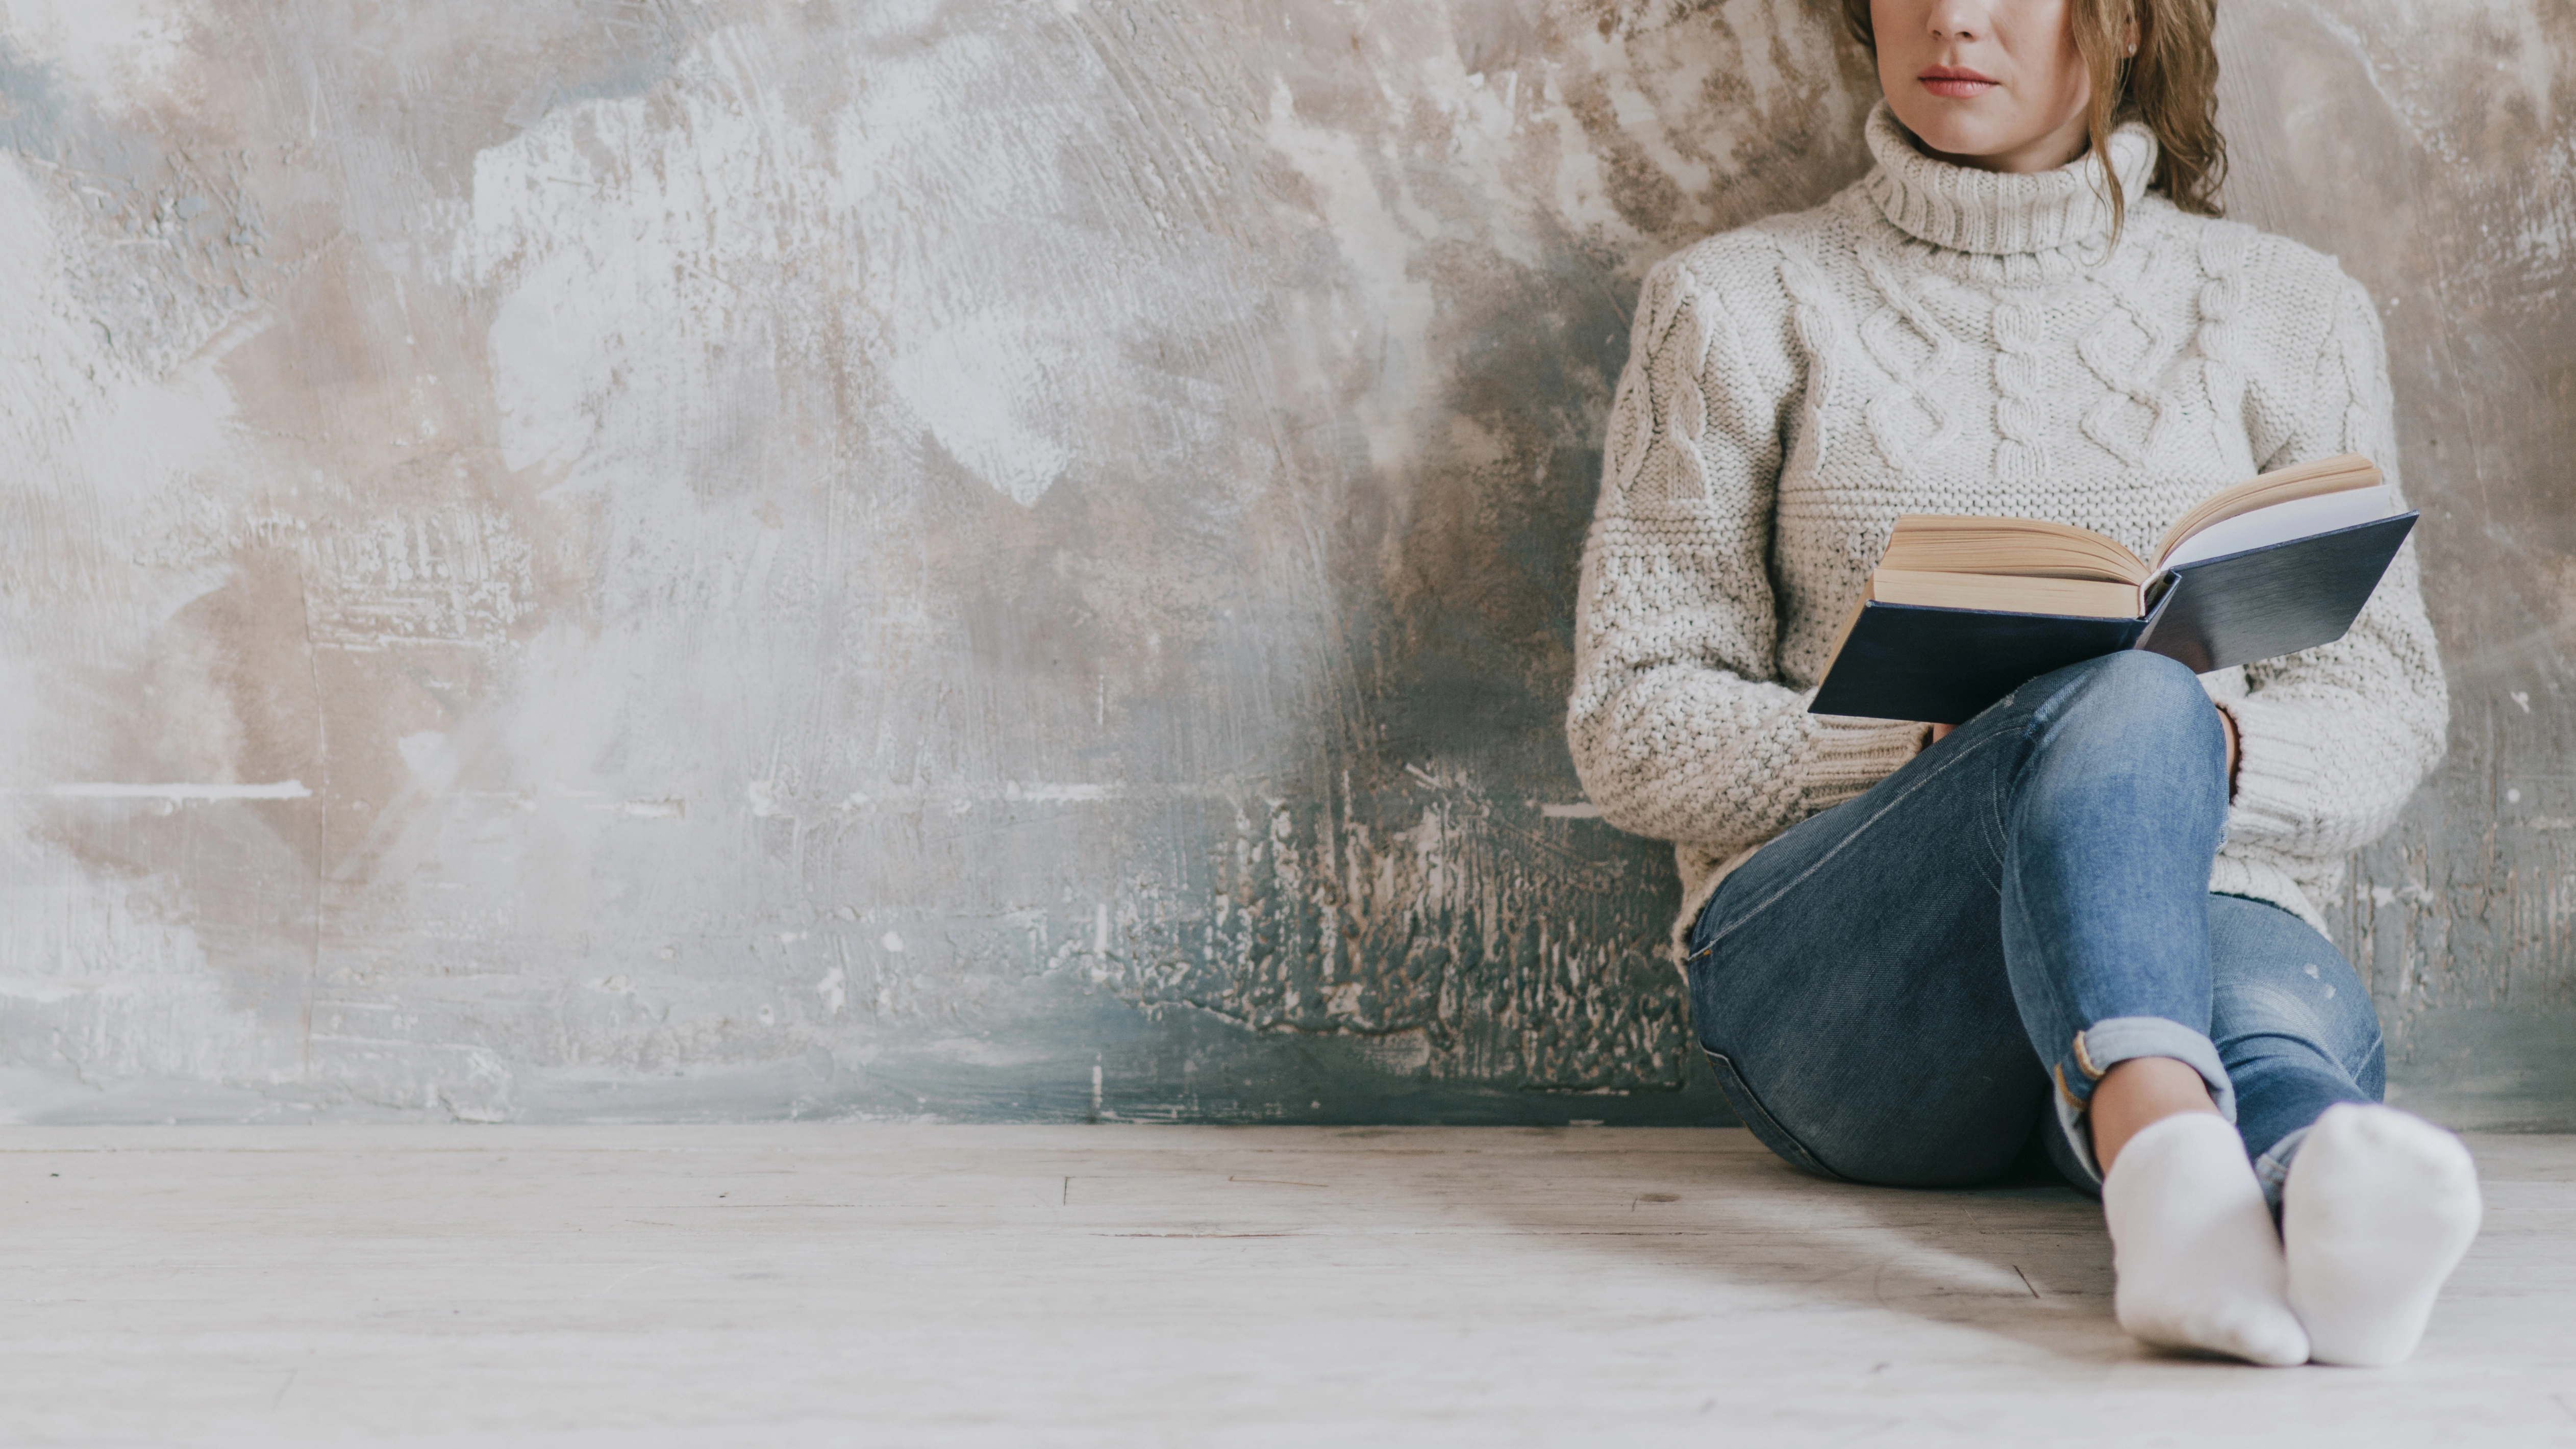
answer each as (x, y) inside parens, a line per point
(1943, 666)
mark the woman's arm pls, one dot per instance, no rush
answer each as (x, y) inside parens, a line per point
(2334, 739)
(1678, 724)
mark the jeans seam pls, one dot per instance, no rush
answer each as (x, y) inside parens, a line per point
(2057, 1075)
(2377, 1044)
(2084, 1060)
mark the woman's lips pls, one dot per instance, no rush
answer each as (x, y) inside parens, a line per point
(1956, 83)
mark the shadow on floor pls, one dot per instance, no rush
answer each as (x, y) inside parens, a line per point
(2025, 1259)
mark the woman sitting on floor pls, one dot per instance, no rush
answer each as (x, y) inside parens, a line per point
(2091, 913)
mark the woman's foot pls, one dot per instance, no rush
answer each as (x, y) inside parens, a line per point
(2379, 1206)
(2200, 1269)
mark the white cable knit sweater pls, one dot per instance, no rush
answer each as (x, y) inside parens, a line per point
(1938, 339)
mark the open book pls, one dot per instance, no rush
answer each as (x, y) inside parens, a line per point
(1961, 611)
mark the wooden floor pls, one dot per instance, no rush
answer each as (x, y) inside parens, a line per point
(874, 1285)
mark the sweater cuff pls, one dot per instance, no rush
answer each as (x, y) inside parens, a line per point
(1847, 755)
(2282, 769)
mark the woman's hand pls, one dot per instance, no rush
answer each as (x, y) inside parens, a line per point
(2226, 726)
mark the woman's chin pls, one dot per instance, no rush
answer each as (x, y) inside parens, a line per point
(1968, 133)
(1952, 131)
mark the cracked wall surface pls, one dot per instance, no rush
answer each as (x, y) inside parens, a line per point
(592, 559)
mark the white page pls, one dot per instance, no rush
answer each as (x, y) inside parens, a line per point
(2298, 518)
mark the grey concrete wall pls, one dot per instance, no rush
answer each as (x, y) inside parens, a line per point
(1011, 558)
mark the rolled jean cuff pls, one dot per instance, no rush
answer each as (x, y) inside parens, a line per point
(2272, 1169)
(2107, 1043)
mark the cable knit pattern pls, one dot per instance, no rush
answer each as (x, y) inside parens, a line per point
(1938, 339)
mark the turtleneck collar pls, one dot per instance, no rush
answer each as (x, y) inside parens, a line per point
(1997, 213)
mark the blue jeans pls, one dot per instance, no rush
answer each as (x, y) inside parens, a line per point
(1905, 988)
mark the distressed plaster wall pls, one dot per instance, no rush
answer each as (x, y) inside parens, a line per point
(1011, 558)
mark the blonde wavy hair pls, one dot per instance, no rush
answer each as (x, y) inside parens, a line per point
(2170, 85)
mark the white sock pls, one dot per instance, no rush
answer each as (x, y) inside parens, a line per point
(2378, 1209)
(2199, 1266)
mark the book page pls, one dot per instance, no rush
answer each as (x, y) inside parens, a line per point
(2303, 480)
(2298, 518)
(2006, 593)
(1933, 543)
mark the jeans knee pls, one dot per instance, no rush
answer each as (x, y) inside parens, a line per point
(2126, 723)
(2135, 693)
(2143, 684)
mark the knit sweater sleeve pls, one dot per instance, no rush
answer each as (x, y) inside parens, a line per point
(1679, 723)
(2334, 739)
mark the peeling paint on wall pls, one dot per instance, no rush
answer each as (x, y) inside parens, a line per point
(605, 558)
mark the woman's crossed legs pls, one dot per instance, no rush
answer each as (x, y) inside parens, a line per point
(1902, 989)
